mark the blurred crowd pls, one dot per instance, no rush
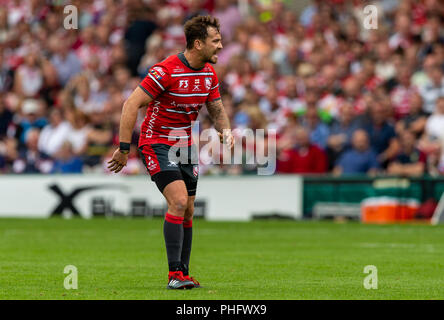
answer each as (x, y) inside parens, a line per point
(342, 99)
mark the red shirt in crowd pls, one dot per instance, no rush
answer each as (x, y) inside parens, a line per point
(302, 160)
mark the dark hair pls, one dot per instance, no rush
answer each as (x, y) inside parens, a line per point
(197, 28)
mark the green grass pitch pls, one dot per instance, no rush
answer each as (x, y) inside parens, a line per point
(125, 259)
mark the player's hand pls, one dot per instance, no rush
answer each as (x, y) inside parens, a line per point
(227, 138)
(118, 161)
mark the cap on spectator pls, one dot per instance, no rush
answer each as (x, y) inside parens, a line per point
(30, 106)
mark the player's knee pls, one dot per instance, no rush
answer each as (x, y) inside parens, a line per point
(179, 204)
(189, 213)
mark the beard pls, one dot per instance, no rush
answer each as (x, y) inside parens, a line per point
(212, 58)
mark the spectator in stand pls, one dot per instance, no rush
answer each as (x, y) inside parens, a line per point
(416, 120)
(99, 140)
(367, 72)
(384, 67)
(420, 77)
(140, 27)
(269, 106)
(5, 118)
(402, 37)
(86, 99)
(305, 157)
(6, 74)
(78, 130)
(195, 9)
(53, 134)
(432, 142)
(8, 154)
(319, 131)
(66, 161)
(122, 78)
(306, 18)
(285, 142)
(353, 94)
(431, 32)
(229, 17)
(409, 161)
(291, 102)
(30, 159)
(29, 77)
(382, 134)
(87, 48)
(361, 159)
(341, 133)
(5, 30)
(434, 88)
(329, 102)
(31, 111)
(435, 123)
(401, 94)
(64, 59)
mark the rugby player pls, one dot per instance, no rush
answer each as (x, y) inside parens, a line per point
(175, 90)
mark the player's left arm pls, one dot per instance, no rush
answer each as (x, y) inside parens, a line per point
(220, 121)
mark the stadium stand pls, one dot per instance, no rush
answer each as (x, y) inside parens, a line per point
(61, 91)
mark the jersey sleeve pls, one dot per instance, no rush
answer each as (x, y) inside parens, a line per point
(214, 90)
(156, 81)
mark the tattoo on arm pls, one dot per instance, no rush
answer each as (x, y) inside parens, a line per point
(218, 115)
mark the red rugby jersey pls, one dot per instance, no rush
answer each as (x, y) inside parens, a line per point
(179, 92)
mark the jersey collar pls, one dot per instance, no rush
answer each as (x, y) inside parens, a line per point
(184, 60)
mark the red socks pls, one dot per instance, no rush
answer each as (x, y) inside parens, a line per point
(188, 224)
(173, 219)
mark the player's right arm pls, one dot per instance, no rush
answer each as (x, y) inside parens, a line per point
(130, 109)
(128, 119)
(154, 84)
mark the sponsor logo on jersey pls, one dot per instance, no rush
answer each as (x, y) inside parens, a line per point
(178, 69)
(196, 85)
(155, 74)
(208, 82)
(153, 117)
(174, 104)
(172, 164)
(159, 69)
(183, 84)
(151, 164)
